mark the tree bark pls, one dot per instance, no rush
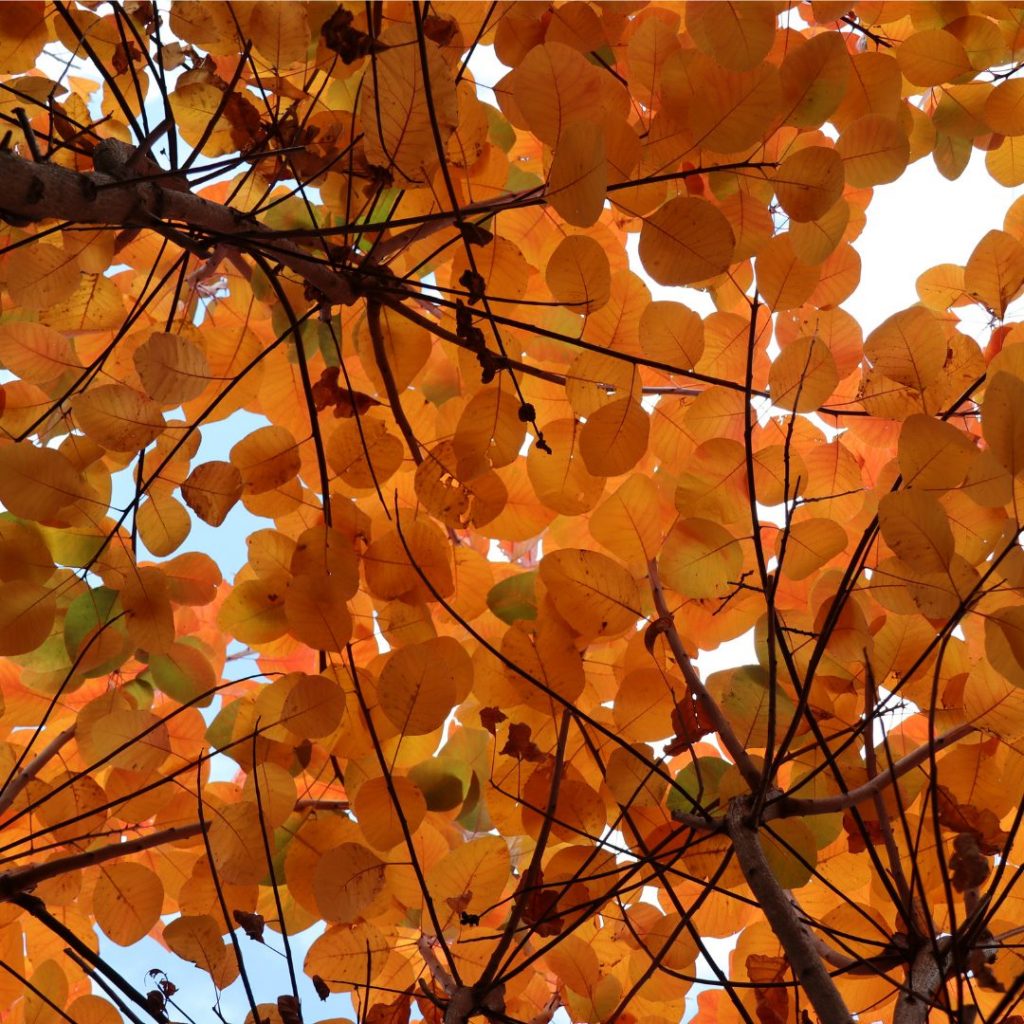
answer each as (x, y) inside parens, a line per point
(35, 192)
(796, 938)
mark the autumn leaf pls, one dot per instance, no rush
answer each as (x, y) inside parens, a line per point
(388, 555)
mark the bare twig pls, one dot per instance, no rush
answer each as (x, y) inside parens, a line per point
(390, 388)
(792, 807)
(730, 740)
(10, 792)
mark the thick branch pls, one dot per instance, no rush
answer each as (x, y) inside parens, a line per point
(923, 982)
(796, 938)
(23, 879)
(791, 807)
(35, 192)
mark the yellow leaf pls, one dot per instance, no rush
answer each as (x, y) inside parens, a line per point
(810, 544)
(672, 333)
(1004, 108)
(700, 559)
(212, 490)
(42, 276)
(420, 684)
(393, 111)
(994, 274)
(593, 593)
(345, 956)
(36, 353)
(377, 815)
(364, 453)
(792, 851)
(554, 86)
(127, 901)
(96, 304)
(267, 458)
(809, 182)
(196, 939)
(813, 78)
(629, 522)
(686, 240)
(490, 431)
(1004, 643)
(27, 612)
(737, 35)
(313, 705)
(280, 32)
(163, 523)
(875, 149)
(803, 375)
(578, 175)
(1002, 420)
(172, 368)
(614, 438)
(407, 348)
(560, 478)
(933, 454)
(346, 881)
(118, 417)
(36, 483)
(724, 111)
(473, 877)
(254, 611)
(932, 57)
(23, 34)
(148, 614)
(389, 571)
(916, 528)
(578, 274)
(317, 612)
(783, 280)
(274, 788)
(942, 287)
(909, 347)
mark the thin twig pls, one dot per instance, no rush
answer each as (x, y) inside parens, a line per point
(390, 388)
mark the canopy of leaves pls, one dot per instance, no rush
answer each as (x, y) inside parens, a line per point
(507, 487)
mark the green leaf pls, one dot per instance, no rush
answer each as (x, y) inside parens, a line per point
(514, 598)
(697, 783)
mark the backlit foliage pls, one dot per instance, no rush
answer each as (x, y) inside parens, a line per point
(505, 494)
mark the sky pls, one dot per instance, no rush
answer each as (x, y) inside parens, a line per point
(915, 223)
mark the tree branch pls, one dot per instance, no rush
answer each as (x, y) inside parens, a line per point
(924, 979)
(36, 192)
(29, 772)
(792, 932)
(730, 740)
(22, 879)
(390, 387)
(792, 807)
